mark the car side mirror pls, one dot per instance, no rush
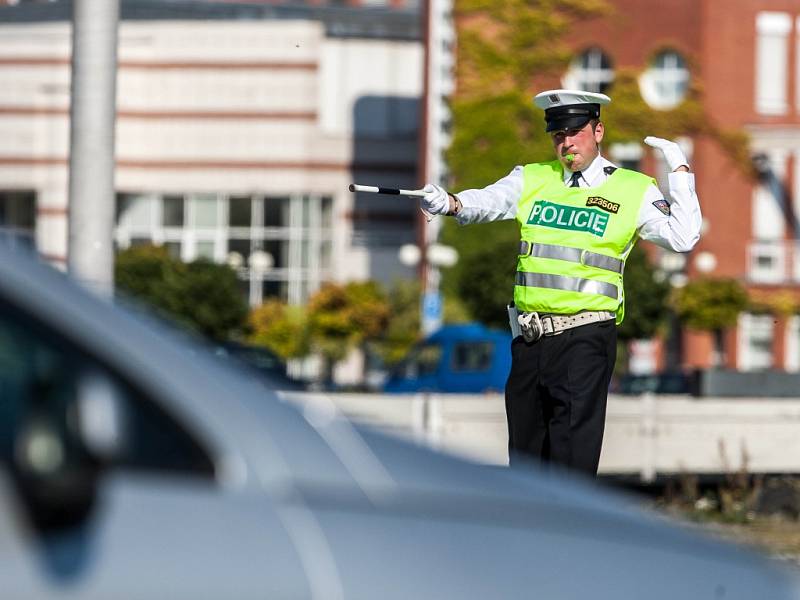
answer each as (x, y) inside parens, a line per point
(62, 442)
(101, 418)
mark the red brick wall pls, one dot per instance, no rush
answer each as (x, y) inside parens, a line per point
(718, 38)
(635, 30)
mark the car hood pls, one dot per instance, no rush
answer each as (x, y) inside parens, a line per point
(399, 478)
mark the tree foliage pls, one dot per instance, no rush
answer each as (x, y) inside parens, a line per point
(501, 44)
(710, 304)
(403, 325)
(776, 302)
(484, 276)
(342, 317)
(645, 298)
(279, 327)
(200, 295)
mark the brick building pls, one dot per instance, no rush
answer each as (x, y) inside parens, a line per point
(743, 55)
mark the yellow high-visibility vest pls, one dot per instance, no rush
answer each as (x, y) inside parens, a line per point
(575, 240)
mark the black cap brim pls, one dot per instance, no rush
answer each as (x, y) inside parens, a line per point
(567, 123)
(572, 116)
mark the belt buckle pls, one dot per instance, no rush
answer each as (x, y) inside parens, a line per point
(548, 325)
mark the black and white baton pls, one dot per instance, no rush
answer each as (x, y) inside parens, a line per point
(382, 190)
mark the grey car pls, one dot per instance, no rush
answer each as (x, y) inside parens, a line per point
(137, 465)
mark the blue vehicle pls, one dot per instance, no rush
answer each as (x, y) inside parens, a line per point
(456, 359)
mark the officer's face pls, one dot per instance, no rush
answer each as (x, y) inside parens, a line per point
(577, 148)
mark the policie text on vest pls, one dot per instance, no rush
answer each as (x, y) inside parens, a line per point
(559, 216)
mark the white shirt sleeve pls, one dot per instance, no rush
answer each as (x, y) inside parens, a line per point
(680, 229)
(495, 202)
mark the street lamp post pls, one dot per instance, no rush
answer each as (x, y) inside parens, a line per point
(259, 262)
(435, 257)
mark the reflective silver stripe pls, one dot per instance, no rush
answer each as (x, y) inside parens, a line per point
(576, 255)
(601, 261)
(568, 284)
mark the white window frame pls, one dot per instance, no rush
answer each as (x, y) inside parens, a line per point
(791, 348)
(768, 220)
(592, 77)
(772, 62)
(672, 73)
(776, 252)
(797, 65)
(793, 259)
(300, 238)
(747, 358)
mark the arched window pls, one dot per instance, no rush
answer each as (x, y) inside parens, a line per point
(665, 82)
(590, 71)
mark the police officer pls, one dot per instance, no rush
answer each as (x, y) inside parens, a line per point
(579, 218)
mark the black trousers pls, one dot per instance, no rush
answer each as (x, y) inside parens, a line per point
(556, 396)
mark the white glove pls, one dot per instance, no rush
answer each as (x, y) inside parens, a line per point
(672, 152)
(436, 200)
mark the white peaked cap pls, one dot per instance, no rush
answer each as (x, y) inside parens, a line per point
(553, 98)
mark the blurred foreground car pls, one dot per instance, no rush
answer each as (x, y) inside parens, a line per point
(136, 467)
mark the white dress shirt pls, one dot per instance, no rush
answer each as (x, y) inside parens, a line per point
(679, 230)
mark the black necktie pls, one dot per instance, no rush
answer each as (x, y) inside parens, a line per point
(575, 181)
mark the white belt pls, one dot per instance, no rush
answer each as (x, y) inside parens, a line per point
(532, 325)
(555, 324)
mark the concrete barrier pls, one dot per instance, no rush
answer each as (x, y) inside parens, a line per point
(646, 435)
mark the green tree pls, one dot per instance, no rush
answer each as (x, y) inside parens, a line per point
(279, 327)
(484, 276)
(403, 323)
(645, 298)
(142, 271)
(711, 305)
(343, 317)
(201, 295)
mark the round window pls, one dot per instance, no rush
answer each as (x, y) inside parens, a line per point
(665, 83)
(591, 71)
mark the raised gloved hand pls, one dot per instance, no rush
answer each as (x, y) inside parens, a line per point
(436, 200)
(672, 152)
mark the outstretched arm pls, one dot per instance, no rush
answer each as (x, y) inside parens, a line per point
(495, 202)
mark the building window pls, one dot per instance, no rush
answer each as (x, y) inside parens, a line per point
(17, 219)
(769, 221)
(295, 231)
(136, 212)
(755, 342)
(665, 83)
(590, 71)
(627, 155)
(173, 211)
(766, 262)
(772, 62)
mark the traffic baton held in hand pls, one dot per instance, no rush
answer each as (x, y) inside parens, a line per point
(382, 190)
(354, 187)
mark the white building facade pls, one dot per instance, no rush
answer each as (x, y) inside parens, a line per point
(233, 136)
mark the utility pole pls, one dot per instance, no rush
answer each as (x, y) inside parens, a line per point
(90, 257)
(439, 83)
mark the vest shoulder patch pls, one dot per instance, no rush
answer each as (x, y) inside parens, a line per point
(663, 206)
